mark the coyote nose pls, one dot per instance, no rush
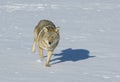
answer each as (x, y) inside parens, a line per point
(49, 42)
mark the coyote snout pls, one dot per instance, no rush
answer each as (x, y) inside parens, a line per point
(46, 35)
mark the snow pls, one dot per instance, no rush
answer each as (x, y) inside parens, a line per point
(89, 46)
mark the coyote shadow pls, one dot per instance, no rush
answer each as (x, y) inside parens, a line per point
(71, 55)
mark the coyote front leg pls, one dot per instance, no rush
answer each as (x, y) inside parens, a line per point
(34, 45)
(35, 41)
(50, 52)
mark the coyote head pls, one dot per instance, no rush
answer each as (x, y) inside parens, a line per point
(51, 36)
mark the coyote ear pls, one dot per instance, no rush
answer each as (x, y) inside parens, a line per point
(45, 29)
(57, 29)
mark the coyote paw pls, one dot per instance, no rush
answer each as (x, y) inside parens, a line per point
(47, 65)
(41, 58)
(33, 51)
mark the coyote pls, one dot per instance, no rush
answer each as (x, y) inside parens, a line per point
(46, 36)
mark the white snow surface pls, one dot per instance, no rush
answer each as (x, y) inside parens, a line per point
(89, 48)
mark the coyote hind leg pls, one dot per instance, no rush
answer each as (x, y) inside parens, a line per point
(40, 53)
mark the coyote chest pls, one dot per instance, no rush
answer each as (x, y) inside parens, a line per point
(46, 36)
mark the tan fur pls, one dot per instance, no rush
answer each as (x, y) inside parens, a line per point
(46, 35)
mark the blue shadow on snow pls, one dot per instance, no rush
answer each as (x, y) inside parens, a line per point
(71, 55)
